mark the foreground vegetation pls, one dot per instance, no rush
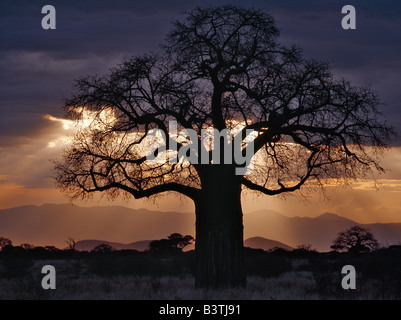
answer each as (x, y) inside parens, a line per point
(129, 274)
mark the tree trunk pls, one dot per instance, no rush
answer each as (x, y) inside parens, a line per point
(219, 231)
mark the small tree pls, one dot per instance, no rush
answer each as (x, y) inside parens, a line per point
(72, 242)
(52, 249)
(357, 239)
(174, 242)
(180, 241)
(162, 245)
(5, 242)
(104, 247)
(304, 248)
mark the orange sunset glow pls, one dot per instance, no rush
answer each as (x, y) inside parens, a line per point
(365, 201)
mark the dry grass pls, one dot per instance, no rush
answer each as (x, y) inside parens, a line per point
(288, 286)
(75, 282)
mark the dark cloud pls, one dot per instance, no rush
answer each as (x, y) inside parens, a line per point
(37, 67)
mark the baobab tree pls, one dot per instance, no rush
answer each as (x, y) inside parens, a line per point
(221, 68)
(356, 239)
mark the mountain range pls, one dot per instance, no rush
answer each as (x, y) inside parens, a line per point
(318, 231)
(255, 242)
(88, 245)
(52, 224)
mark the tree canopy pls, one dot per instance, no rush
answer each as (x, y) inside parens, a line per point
(173, 241)
(221, 68)
(356, 239)
(5, 242)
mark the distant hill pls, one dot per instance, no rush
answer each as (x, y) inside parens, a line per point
(332, 216)
(88, 245)
(319, 231)
(265, 244)
(52, 224)
(255, 242)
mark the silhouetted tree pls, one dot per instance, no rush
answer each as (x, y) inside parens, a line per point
(357, 239)
(5, 242)
(305, 248)
(221, 68)
(52, 249)
(179, 240)
(172, 243)
(71, 242)
(103, 247)
(162, 245)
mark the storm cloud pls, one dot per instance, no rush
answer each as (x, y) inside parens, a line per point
(38, 67)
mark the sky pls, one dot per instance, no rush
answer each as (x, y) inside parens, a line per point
(38, 67)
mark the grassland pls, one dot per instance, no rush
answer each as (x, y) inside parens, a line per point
(144, 276)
